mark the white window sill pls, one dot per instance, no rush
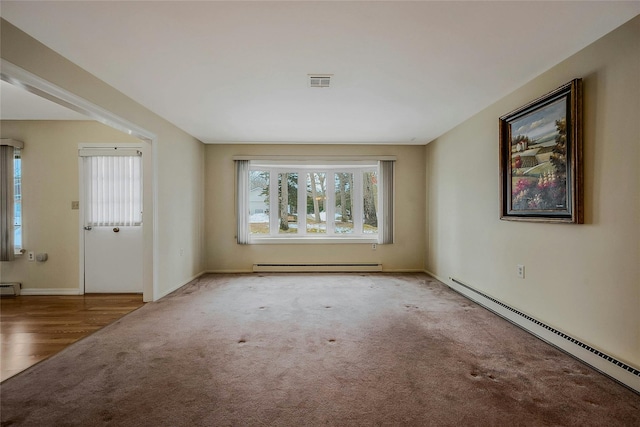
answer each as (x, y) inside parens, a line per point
(288, 240)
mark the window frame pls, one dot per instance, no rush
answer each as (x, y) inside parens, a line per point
(303, 168)
(18, 220)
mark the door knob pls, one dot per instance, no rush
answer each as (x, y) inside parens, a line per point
(87, 227)
(115, 230)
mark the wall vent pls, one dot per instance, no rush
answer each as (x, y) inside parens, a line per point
(320, 80)
(10, 289)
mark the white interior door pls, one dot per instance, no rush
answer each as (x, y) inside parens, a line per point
(112, 211)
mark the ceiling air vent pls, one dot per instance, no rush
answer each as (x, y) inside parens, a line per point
(320, 80)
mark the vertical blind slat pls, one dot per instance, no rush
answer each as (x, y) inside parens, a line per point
(113, 190)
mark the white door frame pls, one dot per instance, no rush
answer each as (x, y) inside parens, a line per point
(13, 74)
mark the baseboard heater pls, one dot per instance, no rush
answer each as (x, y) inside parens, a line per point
(10, 289)
(317, 267)
(600, 361)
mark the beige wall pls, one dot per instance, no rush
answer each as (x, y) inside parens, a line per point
(223, 254)
(178, 161)
(49, 185)
(582, 279)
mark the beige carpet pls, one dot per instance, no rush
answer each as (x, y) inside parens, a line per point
(300, 350)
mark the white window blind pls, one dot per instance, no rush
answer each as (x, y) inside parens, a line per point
(113, 189)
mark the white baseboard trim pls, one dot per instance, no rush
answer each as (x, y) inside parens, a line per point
(417, 270)
(402, 270)
(228, 272)
(317, 267)
(178, 286)
(51, 291)
(600, 361)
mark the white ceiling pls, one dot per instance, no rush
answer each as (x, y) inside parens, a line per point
(404, 72)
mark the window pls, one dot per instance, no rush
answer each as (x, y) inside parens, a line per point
(17, 200)
(113, 187)
(10, 199)
(300, 201)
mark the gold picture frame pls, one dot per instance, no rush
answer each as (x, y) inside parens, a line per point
(541, 173)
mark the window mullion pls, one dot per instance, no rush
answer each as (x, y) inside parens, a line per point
(302, 201)
(357, 202)
(273, 203)
(330, 203)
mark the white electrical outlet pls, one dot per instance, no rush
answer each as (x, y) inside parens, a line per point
(374, 246)
(31, 256)
(520, 271)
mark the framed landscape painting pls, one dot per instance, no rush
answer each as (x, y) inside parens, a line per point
(541, 158)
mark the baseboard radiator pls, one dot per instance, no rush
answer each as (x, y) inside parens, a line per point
(354, 267)
(10, 289)
(600, 361)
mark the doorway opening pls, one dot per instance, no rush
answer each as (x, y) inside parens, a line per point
(19, 77)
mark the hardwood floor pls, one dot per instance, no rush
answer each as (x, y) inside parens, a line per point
(32, 328)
